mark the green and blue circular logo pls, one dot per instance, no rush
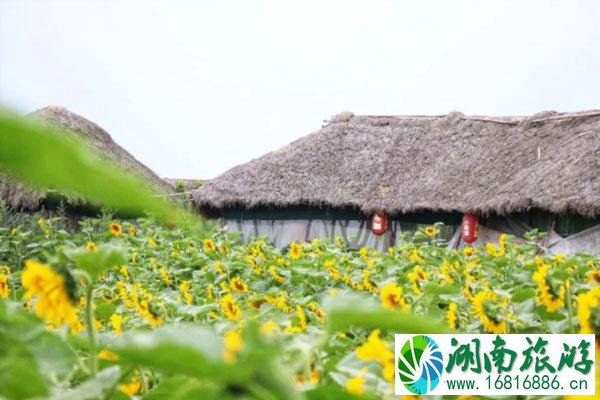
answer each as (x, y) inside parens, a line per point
(420, 364)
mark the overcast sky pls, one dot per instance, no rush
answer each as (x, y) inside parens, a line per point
(193, 88)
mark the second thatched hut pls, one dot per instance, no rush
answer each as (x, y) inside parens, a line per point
(513, 173)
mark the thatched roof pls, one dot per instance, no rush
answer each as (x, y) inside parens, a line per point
(17, 196)
(444, 163)
(186, 184)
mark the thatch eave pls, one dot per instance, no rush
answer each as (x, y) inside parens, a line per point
(406, 164)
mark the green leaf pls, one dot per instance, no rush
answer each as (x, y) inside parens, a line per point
(334, 392)
(15, 370)
(95, 263)
(435, 288)
(45, 158)
(95, 388)
(521, 294)
(345, 312)
(53, 355)
(104, 310)
(182, 388)
(178, 349)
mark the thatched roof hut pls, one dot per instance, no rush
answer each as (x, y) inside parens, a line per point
(184, 184)
(439, 166)
(20, 197)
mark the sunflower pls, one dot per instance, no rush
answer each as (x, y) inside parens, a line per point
(132, 231)
(53, 304)
(145, 310)
(91, 247)
(131, 388)
(301, 318)
(115, 229)
(232, 345)
(333, 271)
(391, 297)
(451, 315)
(546, 295)
(116, 321)
(586, 303)
(238, 285)
(296, 251)
(374, 349)
(4, 288)
(416, 275)
(355, 385)
(318, 311)
(430, 231)
(468, 251)
(108, 355)
(230, 308)
(164, 274)
(480, 301)
(184, 287)
(275, 274)
(492, 250)
(593, 276)
(218, 267)
(208, 245)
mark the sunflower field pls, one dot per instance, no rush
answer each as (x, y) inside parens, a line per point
(171, 307)
(113, 309)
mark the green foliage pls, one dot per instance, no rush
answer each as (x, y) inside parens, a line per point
(167, 287)
(96, 262)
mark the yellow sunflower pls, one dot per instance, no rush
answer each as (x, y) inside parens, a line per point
(53, 302)
(391, 297)
(480, 300)
(468, 251)
(208, 245)
(4, 288)
(131, 388)
(296, 251)
(115, 229)
(238, 285)
(452, 315)
(546, 295)
(230, 308)
(91, 246)
(586, 303)
(355, 385)
(430, 231)
(232, 345)
(374, 349)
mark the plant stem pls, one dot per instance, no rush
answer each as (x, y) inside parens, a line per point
(89, 320)
(260, 391)
(569, 308)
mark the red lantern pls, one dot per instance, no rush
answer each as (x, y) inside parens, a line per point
(469, 228)
(379, 223)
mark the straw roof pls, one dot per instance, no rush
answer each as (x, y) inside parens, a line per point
(186, 184)
(401, 164)
(20, 197)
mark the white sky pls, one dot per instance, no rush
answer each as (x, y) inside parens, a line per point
(192, 88)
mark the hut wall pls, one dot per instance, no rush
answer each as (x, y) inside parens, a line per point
(587, 241)
(356, 233)
(568, 233)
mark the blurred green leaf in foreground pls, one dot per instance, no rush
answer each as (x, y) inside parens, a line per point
(44, 158)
